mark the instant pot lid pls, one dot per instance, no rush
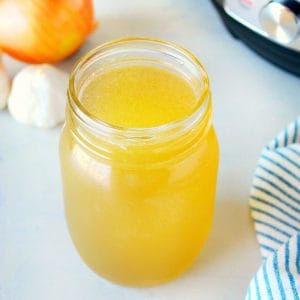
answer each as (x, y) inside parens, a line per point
(279, 55)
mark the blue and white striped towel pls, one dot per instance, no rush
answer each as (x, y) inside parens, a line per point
(275, 209)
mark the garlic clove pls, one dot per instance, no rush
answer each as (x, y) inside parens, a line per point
(4, 86)
(38, 96)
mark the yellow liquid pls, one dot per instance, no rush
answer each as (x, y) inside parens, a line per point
(140, 217)
(139, 96)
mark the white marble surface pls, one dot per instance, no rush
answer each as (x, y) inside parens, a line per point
(252, 99)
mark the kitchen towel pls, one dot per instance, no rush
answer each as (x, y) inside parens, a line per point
(275, 209)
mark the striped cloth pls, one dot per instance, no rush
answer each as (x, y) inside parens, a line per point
(275, 209)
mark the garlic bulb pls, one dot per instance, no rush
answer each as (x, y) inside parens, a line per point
(38, 96)
(4, 86)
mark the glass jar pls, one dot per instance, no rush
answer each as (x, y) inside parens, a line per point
(139, 201)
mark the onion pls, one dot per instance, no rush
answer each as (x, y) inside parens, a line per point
(44, 31)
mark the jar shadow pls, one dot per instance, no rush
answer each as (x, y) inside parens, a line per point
(231, 255)
(232, 241)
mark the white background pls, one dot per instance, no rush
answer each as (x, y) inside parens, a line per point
(253, 100)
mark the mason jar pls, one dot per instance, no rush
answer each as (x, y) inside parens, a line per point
(139, 202)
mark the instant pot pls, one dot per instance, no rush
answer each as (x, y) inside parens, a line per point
(271, 28)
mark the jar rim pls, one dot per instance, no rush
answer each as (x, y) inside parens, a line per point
(97, 125)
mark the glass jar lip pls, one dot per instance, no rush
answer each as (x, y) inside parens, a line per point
(101, 126)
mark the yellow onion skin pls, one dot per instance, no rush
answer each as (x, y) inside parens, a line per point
(44, 31)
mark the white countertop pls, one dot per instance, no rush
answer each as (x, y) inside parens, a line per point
(253, 100)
